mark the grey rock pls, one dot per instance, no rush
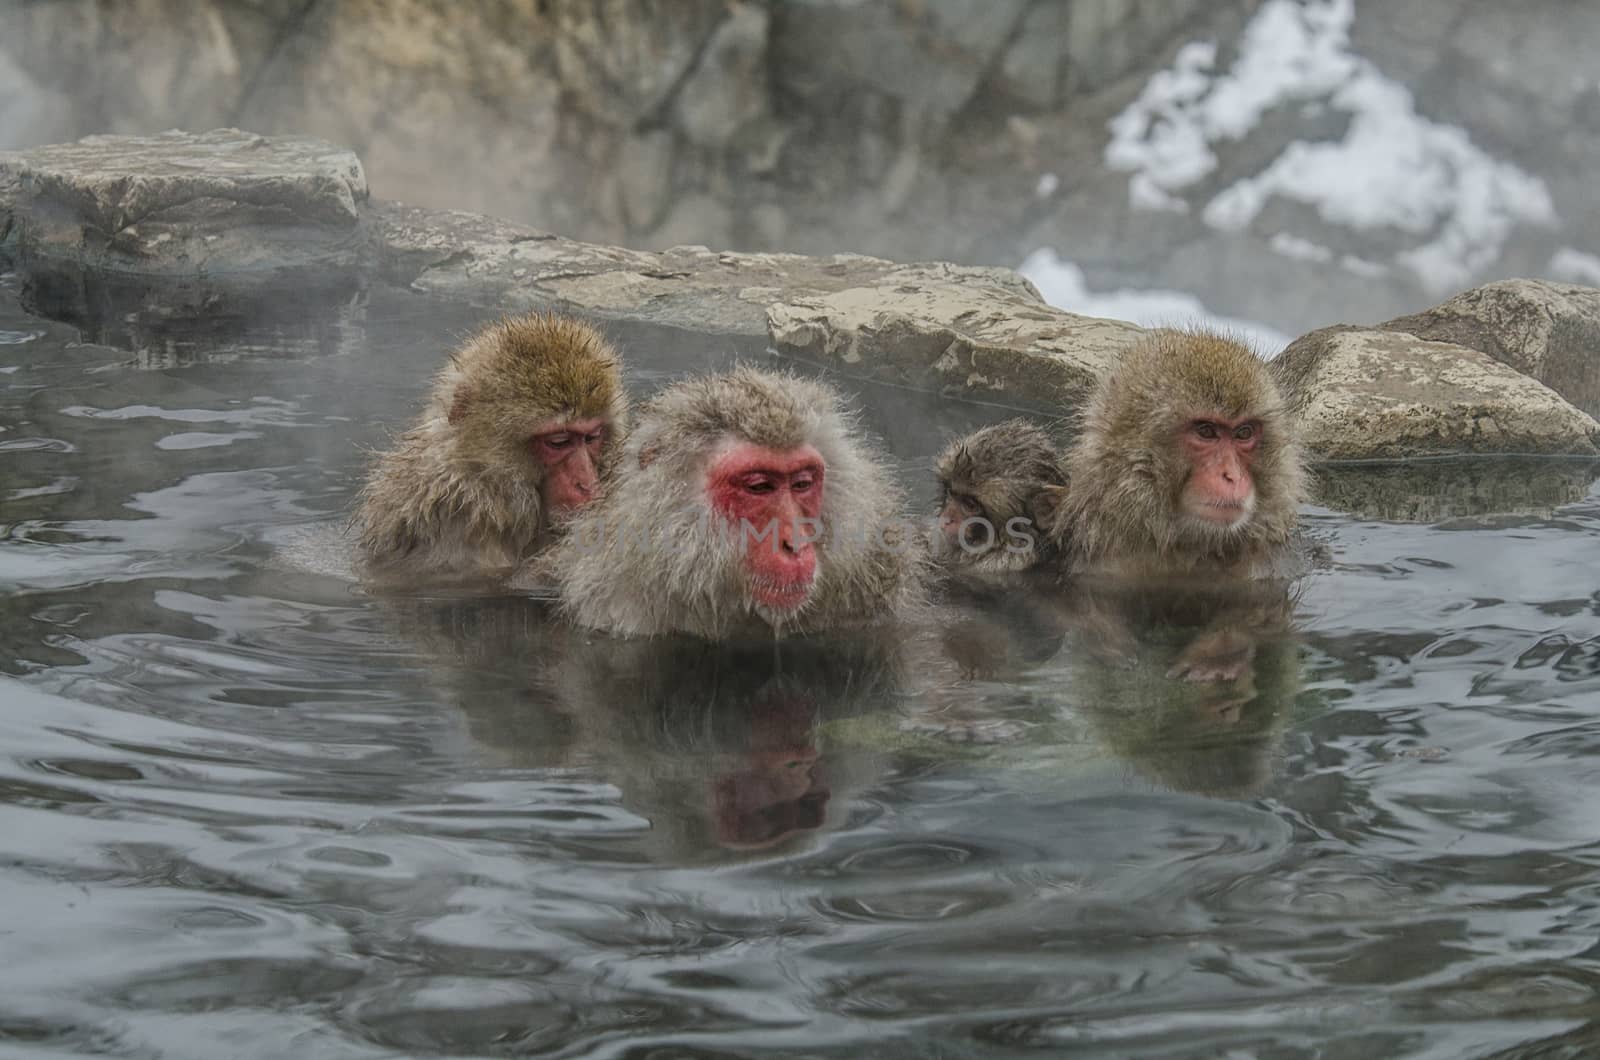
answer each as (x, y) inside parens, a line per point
(468, 258)
(10, 190)
(934, 52)
(692, 219)
(28, 111)
(1384, 395)
(727, 89)
(969, 331)
(1031, 68)
(219, 204)
(644, 173)
(620, 64)
(1550, 331)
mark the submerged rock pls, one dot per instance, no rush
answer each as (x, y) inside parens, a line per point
(1432, 491)
(1365, 394)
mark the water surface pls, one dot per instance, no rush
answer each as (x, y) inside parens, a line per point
(247, 811)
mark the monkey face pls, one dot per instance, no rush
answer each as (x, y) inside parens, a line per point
(569, 456)
(961, 520)
(1220, 489)
(772, 501)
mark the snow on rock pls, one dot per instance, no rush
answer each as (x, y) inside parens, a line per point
(1394, 169)
(1062, 285)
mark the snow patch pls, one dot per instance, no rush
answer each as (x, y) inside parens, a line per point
(1393, 169)
(1062, 284)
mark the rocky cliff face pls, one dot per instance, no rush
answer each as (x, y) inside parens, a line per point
(1170, 143)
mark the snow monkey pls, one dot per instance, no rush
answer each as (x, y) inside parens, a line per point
(744, 504)
(1186, 464)
(1001, 487)
(520, 429)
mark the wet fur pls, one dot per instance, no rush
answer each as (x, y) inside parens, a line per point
(1013, 470)
(689, 577)
(1127, 469)
(458, 495)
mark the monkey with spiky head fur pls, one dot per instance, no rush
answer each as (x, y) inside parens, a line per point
(1001, 488)
(1186, 464)
(745, 504)
(519, 432)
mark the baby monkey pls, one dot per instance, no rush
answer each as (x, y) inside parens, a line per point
(1001, 488)
(519, 433)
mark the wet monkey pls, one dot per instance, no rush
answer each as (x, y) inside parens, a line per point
(745, 503)
(519, 432)
(1000, 488)
(1186, 464)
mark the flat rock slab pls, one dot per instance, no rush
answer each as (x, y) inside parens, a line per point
(469, 258)
(1360, 394)
(1550, 331)
(925, 325)
(188, 205)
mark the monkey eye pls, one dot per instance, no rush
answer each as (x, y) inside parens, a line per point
(759, 484)
(1206, 430)
(801, 483)
(970, 505)
(594, 437)
(1244, 432)
(557, 441)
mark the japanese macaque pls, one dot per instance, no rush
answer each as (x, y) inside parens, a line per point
(744, 504)
(1001, 486)
(1186, 464)
(519, 433)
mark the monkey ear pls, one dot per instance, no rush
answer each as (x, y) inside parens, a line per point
(460, 404)
(1043, 505)
(648, 453)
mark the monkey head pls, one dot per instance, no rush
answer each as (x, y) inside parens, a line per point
(521, 424)
(1186, 460)
(1000, 489)
(744, 502)
(539, 396)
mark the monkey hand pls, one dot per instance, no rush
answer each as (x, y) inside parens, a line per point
(1221, 655)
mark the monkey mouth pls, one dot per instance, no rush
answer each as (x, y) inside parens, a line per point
(773, 595)
(1223, 514)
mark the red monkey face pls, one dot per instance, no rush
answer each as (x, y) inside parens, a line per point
(1220, 489)
(570, 455)
(772, 500)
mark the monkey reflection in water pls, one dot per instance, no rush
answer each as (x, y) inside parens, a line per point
(1190, 684)
(718, 746)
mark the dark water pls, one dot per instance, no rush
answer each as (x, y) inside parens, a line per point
(246, 811)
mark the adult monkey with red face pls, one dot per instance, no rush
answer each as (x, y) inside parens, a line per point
(519, 433)
(1186, 464)
(744, 504)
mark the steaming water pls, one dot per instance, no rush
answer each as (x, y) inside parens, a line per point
(246, 811)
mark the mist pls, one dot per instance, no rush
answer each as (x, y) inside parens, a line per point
(1283, 163)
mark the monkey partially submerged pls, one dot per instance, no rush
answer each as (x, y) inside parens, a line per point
(1187, 464)
(519, 432)
(745, 504)
(1001, 488)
